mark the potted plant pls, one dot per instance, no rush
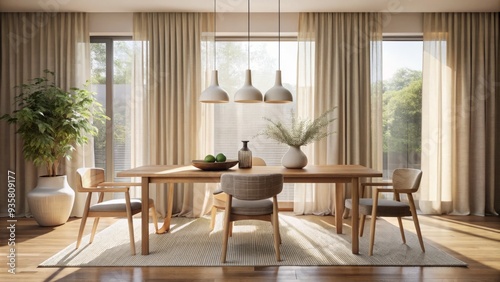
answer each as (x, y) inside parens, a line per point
(51, 121)
(299, 132)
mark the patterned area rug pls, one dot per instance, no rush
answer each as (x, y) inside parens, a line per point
(310, 241)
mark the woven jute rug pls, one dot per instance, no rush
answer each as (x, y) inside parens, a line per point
(306, 241)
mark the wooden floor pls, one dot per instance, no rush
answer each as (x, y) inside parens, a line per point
(475, 240)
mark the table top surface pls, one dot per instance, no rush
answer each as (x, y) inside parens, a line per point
(189, 171)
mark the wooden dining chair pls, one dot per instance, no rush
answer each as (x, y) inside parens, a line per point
(220, 198)
(91, 180)
(249, 197)
(404, 181)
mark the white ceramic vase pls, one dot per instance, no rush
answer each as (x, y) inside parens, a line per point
(51, 201)
(294, 158)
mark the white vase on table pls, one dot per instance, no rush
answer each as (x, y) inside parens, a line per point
(294, 158)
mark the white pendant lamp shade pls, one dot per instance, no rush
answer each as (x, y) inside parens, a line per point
(214, 93)
(248, 93)
(278, 94)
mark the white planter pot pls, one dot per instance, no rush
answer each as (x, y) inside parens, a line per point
(294, 158)
(51, 201)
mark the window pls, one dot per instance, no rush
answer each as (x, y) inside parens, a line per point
(235, 122)
(111, 73)
(111, 66)
(402, 104)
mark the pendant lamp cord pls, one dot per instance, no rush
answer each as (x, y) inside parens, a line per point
(215, 34)
(279, 34)
(248, 33)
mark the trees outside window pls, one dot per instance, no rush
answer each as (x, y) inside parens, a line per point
(402, 105)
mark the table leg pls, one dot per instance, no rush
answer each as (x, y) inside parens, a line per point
(355, 215)
(170, 202)
(145, 216)
(339, 206)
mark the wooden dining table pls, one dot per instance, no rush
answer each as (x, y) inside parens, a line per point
(172, 174)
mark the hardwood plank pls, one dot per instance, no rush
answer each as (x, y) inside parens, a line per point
(473, 239)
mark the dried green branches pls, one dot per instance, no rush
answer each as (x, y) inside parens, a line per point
(300, 132)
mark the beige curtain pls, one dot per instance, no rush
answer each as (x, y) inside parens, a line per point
(171, 125)
(338, 66)
(460, 120)
(31, 43)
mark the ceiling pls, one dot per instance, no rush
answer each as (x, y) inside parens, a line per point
(392, 6)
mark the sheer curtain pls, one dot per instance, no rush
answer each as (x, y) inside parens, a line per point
(460, 120)
(170, 125)
(31, 43)
(338, 66)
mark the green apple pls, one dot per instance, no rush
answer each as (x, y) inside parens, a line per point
(209, 159)
(220, 158)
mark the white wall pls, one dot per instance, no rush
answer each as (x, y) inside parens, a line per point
(403, 24)
(110, 24)
(230, 24)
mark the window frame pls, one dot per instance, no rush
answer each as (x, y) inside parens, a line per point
(109, 40)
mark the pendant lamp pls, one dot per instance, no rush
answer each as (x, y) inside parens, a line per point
(248, 93)
(278, 93)
(214, 93)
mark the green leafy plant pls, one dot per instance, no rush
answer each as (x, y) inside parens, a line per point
(51, 121)
(300, 131)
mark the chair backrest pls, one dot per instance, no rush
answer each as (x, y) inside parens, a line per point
(252, 186)
(406, 178)
(88, 178)
(256, 161)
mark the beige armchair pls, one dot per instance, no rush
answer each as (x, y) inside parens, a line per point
(220, 198)
(249, 198)
(91, 180)
(404, 181)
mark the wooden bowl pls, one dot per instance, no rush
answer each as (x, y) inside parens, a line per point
(216, 166)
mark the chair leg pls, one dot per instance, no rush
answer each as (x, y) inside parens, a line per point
(401, 230)
(372, 234)
(415, 221)
(130, 223)
(276, 227)
(272, 222)
(231, 225)
(346, 213)
(213, 214)
(227, 227)
(362, 225)
(152, 211)
(131, 234)
(419, 234)
(94, 229)
(84, 220)
(277, 237)
(373, 223)
(96, 220)
(80, 232)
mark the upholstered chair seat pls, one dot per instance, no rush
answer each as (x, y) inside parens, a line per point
(259, 207)
(118, 205)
